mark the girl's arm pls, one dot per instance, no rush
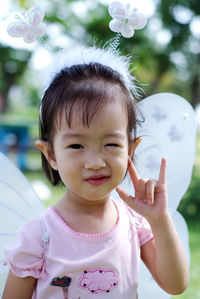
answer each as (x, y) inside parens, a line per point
(165, 258)
(19, 288)
(164, 255)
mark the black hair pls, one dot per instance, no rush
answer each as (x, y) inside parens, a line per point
(89, 86)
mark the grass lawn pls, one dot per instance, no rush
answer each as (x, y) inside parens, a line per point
(193, 291)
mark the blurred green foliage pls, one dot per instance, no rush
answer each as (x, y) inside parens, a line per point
(152, 61)
(193, 290)
(190, 204)
(13, 64)
(177, 17)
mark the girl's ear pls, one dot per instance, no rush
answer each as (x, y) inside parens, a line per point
(47, 151)
(133, 145)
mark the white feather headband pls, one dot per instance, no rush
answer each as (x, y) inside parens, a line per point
(87, 55)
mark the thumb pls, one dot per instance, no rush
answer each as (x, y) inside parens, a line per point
(125, 197)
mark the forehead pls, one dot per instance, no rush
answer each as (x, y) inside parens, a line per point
(111, 117)
(91, 102)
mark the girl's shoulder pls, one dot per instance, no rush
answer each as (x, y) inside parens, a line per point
(29, 235)
(34, 227)
(25, 254)
(124, 210)
(137, 221)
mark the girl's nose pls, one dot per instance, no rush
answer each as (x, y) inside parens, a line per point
(94, 161)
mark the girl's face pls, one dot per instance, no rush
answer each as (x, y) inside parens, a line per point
(92, 160)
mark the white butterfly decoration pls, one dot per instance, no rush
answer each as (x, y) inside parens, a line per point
(29, 26)
(125, 20)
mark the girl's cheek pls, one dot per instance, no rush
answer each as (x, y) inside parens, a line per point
(122, 162)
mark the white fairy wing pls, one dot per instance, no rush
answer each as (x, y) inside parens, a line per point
(18, 204)
(169, 129)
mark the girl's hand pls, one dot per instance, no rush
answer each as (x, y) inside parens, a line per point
(151, 197)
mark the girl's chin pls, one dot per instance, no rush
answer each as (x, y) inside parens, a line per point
(93, 197)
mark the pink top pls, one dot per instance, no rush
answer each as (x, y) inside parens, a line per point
(76, 265)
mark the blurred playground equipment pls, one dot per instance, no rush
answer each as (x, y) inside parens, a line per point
(16, 141)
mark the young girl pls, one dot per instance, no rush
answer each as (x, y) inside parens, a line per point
(89, 245)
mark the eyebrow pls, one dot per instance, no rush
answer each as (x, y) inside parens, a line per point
(68, 135)
(115, 134)
(108, 135)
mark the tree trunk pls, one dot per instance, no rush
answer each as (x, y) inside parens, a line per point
(195, 91)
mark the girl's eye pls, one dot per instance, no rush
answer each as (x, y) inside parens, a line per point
(112, 145)
(75, 146)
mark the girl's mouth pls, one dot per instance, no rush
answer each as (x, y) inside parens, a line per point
(97, 180)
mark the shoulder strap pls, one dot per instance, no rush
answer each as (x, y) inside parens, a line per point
(45, 236)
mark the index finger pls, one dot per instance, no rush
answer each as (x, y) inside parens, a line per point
(133, 172)
(162, 173)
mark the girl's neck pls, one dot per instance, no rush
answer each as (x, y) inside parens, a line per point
(93, 217)
(83, 206)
